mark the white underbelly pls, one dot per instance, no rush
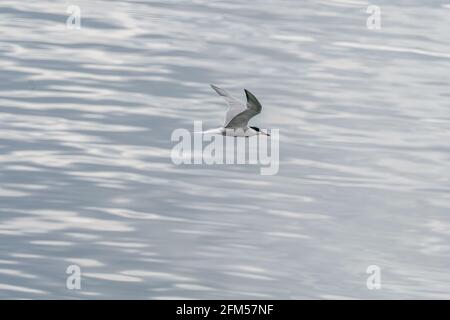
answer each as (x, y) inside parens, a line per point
(233, 132)
(240, 132)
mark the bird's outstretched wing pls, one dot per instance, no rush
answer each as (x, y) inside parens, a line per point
(238, 114)
(253, 108)
(235, 107)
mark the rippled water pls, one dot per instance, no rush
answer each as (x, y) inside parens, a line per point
(86, 176)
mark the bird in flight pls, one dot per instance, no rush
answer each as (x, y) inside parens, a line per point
(238, 116)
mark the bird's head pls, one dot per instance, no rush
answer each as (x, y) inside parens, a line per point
(259, 131)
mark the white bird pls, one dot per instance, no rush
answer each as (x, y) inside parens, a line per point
(238, 116)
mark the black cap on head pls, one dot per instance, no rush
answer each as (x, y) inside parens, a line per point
(259, 131)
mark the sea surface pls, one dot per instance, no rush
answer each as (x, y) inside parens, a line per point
(87, 178)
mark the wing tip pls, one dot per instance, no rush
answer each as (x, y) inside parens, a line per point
(216, 89)
(251, 98)
(249, 95)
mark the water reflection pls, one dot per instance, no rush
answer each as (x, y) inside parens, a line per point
(86, 177)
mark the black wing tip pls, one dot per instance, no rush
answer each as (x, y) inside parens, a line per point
(249, 95)
(252, 100)
(215, 88)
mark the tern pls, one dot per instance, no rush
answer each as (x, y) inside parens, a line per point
(238, 115)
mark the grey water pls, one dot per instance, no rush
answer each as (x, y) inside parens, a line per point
(87, 179)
